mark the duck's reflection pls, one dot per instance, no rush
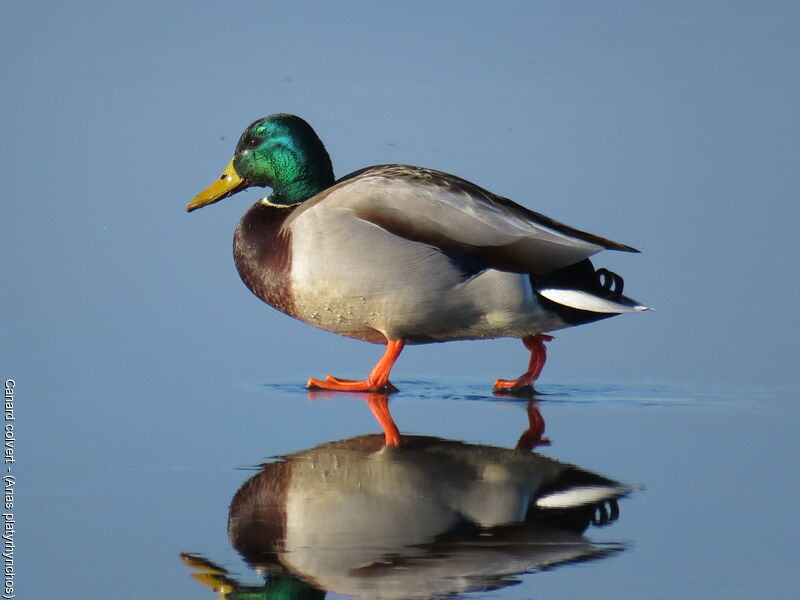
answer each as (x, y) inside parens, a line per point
(412, 517)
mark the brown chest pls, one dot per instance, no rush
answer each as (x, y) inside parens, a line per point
(261, 251)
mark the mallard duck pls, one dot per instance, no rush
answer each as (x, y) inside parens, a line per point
(434, 518)
(396, 254)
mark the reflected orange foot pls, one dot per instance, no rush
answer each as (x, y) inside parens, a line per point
(533, 436)
(523, 385)
(379, 405)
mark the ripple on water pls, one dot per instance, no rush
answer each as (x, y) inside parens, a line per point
(628, 394)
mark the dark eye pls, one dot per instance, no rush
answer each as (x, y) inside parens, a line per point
(253, 142)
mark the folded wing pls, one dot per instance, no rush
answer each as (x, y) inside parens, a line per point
(460, 217)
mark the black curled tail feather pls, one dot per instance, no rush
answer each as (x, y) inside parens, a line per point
(580, 276)
(611, 283)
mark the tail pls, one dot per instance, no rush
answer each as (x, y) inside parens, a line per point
(582, 294)
(575, 488)
(580, 300)
(585, 495)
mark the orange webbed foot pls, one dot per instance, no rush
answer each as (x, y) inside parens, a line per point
(378, 380)
(349, 385)
(523, 385)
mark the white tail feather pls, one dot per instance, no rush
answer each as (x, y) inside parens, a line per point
(586, 301)
(581, 496)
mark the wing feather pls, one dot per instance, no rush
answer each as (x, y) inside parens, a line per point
(457, 216)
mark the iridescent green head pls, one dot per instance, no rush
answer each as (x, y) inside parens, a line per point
(279, 151)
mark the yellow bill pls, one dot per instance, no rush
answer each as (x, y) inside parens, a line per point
(228, 184)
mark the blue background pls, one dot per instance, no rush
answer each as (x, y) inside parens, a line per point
(139, 355)
(666, 125)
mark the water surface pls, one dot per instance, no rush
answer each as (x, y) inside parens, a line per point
(707, 511)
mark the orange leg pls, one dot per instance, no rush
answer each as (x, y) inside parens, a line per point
(524, 383)
(379, 405)
(378, 380)
(533, 436)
